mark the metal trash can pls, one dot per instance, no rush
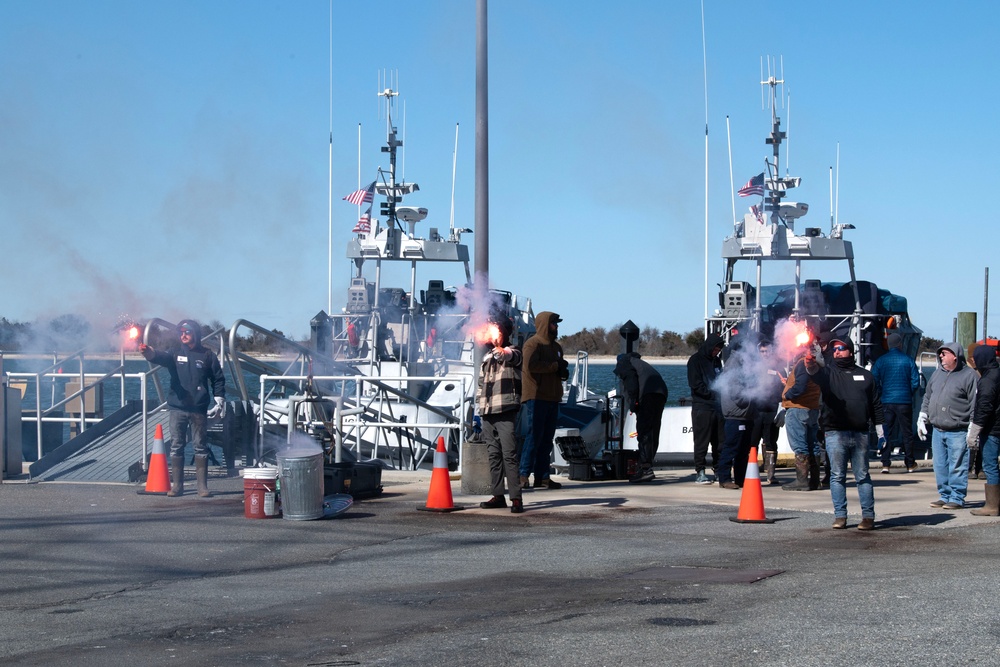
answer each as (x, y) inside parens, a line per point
(301, 486)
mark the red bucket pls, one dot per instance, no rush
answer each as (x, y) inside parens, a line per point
(260, 493)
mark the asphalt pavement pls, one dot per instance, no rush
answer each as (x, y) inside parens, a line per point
(595, 573)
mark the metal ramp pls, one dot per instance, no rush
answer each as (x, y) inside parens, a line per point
(108, 452)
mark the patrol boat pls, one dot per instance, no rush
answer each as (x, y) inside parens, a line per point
(396, 369)
(766, 236)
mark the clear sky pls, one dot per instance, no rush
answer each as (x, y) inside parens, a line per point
(170, 159)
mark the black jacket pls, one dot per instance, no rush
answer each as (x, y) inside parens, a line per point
(639, 379)
(987, 410)
(850, 396)
(702, 370)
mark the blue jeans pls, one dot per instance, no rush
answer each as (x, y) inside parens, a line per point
(801, 426)
(991, 449)
(842, 446)
(538, 420)
(951, 464)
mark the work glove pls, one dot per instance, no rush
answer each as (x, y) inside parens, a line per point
(779, 416)
(972, 436)
(563, 369)
(922, 426)
(502, 353)
(817, 353)
(219, 409)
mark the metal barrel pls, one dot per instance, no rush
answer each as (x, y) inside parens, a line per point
(301, 486)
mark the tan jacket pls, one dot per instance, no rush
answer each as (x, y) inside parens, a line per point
(540, 368)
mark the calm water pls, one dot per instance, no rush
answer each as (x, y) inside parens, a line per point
(601, 380)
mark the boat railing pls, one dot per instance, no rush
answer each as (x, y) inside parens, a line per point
(75, 399)
(366, 420)
(927, 358)
(577, 388)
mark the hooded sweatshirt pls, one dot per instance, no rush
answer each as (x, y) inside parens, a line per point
(543, 361)
(735, 386)
(987, 411)
(192, 371)
(638, 379)
(702, 370)
(951, 395)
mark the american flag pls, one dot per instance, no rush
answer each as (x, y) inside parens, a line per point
(755, 186)
(364, 224)
(362, 196)
(757, 214)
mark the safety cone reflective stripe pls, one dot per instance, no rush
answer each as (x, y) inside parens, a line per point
(752, 499)
(439, 498)
(157, 478)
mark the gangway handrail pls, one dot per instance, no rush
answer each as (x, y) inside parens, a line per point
(451, 421)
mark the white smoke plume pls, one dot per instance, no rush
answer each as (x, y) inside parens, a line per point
(748, 375)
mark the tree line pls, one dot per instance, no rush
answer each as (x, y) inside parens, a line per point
(70, 332)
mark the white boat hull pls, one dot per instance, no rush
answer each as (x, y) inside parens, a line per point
(677, 437)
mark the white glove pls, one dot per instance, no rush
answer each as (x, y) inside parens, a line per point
(502, 353)
(880, 431)
(972, 436)
(219, 409)
(922, 426)
(817, 353)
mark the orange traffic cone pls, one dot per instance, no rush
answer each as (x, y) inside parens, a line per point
(157, 478)
(752, 499)
(439, 498)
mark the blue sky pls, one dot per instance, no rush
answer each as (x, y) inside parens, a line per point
(170, 159)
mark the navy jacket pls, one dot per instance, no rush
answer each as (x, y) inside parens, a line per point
(192, 372)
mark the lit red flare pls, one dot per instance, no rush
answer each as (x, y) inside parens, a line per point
(802, 338)
(131, 336)
(487, 333)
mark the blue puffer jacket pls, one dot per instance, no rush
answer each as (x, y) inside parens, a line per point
(897, 375)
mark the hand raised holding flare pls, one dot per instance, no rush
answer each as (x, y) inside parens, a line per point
(502, 354)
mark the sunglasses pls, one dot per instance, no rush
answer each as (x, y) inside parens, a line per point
(839, 348)
(187, 332)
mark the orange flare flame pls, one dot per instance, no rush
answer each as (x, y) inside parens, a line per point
(487, 333)
(802, 338)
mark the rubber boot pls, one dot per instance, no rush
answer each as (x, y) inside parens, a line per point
(201, 474)
(813, 473)
(824, 463)
(801, 482)
(992, 506)
(176, 476)
(770, 463)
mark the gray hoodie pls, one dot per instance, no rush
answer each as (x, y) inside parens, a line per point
(951, 395)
